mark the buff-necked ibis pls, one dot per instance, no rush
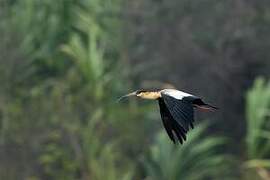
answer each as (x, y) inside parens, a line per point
(176, 110)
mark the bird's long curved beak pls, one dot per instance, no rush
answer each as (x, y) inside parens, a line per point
(127, 95)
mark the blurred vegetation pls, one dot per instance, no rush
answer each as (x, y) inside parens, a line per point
(199, 158)
(258, 128)
(64, 63)
(258, 104)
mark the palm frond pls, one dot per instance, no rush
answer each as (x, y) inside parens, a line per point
(198, 158)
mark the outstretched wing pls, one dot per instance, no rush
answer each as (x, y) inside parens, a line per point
(172, 127)
(181, 110)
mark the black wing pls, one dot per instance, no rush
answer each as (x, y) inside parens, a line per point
(181, 110)
(198, 103)
(171, 126)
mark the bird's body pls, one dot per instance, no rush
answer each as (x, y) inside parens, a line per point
(176, 110)
(175, 93)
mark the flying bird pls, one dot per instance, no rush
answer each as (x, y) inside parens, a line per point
(176, 110)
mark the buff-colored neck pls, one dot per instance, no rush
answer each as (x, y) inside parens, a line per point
(149, 95)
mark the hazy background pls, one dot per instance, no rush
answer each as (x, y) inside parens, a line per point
(64, 64)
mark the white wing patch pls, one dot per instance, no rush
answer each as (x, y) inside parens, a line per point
(175, 93)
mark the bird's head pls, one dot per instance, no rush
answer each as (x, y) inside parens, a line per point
(144, 94)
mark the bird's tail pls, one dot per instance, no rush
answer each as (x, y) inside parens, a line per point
(206, 107)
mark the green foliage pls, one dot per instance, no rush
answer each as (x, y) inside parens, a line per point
(258, 127)
(88, 56)
(42, 24)
(63, 119)
(199, 158)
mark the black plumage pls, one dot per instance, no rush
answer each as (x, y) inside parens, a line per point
(177, 116)
(171, 125)
(176, 110)
(180, 110)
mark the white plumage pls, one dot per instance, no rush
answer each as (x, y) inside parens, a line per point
(175, 93)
